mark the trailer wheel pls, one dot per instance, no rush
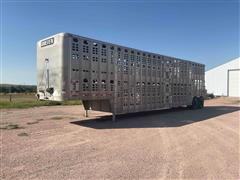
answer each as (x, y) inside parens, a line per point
(201, 102)
(195, 103)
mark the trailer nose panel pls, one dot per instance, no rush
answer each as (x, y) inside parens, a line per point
(49, 66)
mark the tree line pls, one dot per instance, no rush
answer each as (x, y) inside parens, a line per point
(13, 88)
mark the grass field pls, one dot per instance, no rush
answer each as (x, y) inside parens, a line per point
(22, 100)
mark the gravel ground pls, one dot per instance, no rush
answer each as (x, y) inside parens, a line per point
(60, 143)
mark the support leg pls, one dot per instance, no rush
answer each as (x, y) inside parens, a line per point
(86, 113)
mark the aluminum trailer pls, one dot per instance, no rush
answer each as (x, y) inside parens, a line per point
(113, 78)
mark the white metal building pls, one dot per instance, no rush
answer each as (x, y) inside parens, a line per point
(224, 80)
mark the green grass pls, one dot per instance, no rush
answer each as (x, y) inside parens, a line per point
(22, 100)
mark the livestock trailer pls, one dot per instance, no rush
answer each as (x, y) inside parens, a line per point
(113, 78)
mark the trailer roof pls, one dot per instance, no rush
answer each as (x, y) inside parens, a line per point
(122, 46)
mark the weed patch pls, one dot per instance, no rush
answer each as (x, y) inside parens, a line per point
(11, 126)
(57, 118)
(33, 122)
(23, 134)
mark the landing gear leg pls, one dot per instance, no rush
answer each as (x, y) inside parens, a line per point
(87, 106)
(86, 113)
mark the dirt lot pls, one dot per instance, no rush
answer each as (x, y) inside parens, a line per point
(60, 143)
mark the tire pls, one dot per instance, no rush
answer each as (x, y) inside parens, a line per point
(195, 103)
(201, 102)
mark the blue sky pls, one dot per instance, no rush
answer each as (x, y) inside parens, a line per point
(202, 31)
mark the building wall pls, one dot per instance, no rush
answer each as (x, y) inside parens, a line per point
(217, 78)
(234, 83)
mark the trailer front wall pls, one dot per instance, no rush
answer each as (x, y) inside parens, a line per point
(50, 67)
(130, 80)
